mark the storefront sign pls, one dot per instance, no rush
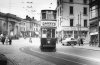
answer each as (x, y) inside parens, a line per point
(47, 23)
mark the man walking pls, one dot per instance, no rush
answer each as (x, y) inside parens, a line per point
(2, 39)
(10, 40)
(81, 40)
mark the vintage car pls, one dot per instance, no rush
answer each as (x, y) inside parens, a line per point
(69, 41)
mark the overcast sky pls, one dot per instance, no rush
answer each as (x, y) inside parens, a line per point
(22, 8)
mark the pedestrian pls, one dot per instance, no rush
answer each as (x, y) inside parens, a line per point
(6, 40)
(81, 40)
(10, 40)
(78, 41)
(2, 39)
(30, 40)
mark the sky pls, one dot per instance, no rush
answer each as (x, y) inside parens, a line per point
(21, 8)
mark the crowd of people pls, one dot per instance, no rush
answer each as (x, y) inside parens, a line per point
(5, 39)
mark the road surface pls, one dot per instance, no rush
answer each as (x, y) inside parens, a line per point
(56, 57)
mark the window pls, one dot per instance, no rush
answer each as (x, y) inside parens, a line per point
(85, 1)
(54, 15)
(50, 15)
(71, 10)
(44, 15)
(85, 23)
(53, 33)
(49, 33)
(71, 22)
(71, 1)
(85, 11)
(93, 12)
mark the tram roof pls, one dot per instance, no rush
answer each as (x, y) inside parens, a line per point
(47, 10)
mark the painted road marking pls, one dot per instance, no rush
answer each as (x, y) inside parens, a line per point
(57, 57)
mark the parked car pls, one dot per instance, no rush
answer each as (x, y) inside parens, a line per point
(69, 41)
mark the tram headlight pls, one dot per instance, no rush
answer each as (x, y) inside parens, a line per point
(48, 41)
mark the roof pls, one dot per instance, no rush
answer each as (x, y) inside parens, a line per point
(9, 15)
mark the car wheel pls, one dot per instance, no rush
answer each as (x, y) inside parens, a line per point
(75, 43)
(63, 44)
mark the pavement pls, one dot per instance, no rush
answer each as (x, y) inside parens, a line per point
(87, 46)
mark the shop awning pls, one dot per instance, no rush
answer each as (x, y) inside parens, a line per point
(95, 33)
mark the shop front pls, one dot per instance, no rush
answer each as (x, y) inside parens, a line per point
(94, 39)
(94, 34)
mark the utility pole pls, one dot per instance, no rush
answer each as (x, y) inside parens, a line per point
(80, 24)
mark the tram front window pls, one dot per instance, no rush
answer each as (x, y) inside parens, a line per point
(48, 33)
(53, 33)
(44, 33)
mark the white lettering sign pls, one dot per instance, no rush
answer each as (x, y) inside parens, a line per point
(48, 24)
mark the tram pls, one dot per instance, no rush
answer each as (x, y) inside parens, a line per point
(48, 38)
(48, 33)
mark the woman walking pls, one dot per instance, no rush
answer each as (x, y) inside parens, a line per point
(6, 40)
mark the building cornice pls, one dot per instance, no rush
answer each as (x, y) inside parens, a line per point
(76, 3)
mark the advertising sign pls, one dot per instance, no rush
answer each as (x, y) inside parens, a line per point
(48, 23)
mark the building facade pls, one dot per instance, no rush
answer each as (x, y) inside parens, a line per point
(30, 28)
(9, 24)
(73, 19)
(95, 22)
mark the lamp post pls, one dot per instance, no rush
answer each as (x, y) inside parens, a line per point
(80, 25)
